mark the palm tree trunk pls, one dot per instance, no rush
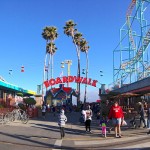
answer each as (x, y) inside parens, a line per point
(48, 67)
(78, 70)
(44, 78)
(87, 64)
(78, 74)
(51, 66)
(51, 55)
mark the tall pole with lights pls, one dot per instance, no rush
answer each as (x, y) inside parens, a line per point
(69, 63)
(100, 92)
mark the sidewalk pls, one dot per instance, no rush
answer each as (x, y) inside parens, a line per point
(42, 134)
(75, 130)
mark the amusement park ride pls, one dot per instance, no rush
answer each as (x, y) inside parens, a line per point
(131, 60)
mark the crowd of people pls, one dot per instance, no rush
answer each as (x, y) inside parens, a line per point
(110, 116)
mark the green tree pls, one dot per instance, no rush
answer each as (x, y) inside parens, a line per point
(29, 101)
(50, 35)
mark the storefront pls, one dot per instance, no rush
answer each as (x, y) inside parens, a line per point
(8, 93)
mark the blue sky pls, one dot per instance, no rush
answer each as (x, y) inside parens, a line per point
(21, 26)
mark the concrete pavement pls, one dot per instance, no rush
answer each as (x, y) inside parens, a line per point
(42, 134)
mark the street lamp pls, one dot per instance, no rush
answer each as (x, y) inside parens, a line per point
(85, 71)
(69, 63)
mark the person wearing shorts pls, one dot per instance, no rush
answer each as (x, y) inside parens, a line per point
(116, 114)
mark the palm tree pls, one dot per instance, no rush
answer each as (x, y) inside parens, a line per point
(84, 48)
(71, 31)
(51, 49)
(49, 34)
(78, 38)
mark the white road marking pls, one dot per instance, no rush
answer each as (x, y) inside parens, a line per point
(57, 145)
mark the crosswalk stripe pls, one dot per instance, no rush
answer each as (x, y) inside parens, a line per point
(57, 144)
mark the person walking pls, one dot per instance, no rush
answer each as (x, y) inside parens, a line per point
(142, 113)
(88, 119)
(116, 114)
(43, 110)
(62, 119)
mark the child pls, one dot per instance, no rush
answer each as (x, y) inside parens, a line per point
(62, 122)
(103, 125)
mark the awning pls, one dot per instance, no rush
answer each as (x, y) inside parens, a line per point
(129, 94)
(11, 87)
(143, 90)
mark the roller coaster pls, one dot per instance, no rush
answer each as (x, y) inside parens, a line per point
(131, 61)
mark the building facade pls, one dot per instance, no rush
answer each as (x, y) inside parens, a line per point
(8, 93)
(60, 96)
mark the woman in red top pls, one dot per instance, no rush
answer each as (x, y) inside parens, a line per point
(116, 114)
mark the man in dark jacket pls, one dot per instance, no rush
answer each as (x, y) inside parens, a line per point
(142, 112)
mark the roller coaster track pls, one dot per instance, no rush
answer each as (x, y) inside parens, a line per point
(128, 14)
(146, 40)
(131, 39)
(133, 48)
(140, 52)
